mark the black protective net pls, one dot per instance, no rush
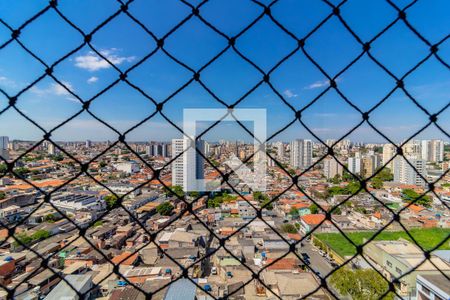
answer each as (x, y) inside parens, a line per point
(159, 109)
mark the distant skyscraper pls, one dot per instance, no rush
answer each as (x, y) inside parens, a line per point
(389, 151)
(4, 141)
(280, 150)
(188, 168)
(51, 149)
(437, 150)
(354, 164)
(301, 153)
(370, 164)
(331, 168)
(88, 144)
(404, 173)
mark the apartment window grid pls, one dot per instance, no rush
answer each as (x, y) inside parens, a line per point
(196, 12)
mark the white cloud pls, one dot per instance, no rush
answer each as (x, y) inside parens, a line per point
(289, 93)
(317, 84)
(93, 62)
(54, 89)
(92, 79)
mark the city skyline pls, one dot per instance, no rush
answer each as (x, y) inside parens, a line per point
(298, 81)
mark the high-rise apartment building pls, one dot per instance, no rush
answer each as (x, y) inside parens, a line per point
(188, 168)
(4, 141)
(355, 164)
(301, 153)
(389, 151)
(331, 168)
(432, 150)
(280, 150)
(405, 173)
(370, 164)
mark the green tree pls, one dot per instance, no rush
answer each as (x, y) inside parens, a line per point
(165, 208)
(263, 200)
(21, 171)
(409, 195)
(176, 191)
(2, 195)
(294, 212)
(360, 284)
(110, 200)
(40, 235)
(288, 228)
(3, 168)
(50, 218)
(313, 208)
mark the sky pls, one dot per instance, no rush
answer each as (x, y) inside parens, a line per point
(297, 80)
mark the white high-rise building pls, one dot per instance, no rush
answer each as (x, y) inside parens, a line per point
(51, 149)
(280, 150)
(331, 168)
(437, 150)
(354, 164)
(188, 168)
(4, 141)
(301, 153)
(404, 173)
(432, 150)
(389, 151)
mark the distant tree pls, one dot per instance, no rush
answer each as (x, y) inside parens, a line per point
(2, 195)
(21, 171)
(175, 190)
(263, 199)
(110, 200)
(40, 235)
(336, 179)
(360, 284)
(57, 157)
(165, 208)
(294, 212)
(194, 195)
(50, 218)
(409, 195)
(3, 168)
(289, 228)
(313, 208)
(102, 164)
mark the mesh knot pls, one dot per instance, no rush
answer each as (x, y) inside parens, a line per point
(433, 118)
(53, 3)
(12, 100)
(231, 41)
(88, 38)
(434, 49)
(86, 105)
(196, 76)
(15, 34)
(365, 116)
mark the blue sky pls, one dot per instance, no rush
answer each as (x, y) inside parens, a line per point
(229, 77)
